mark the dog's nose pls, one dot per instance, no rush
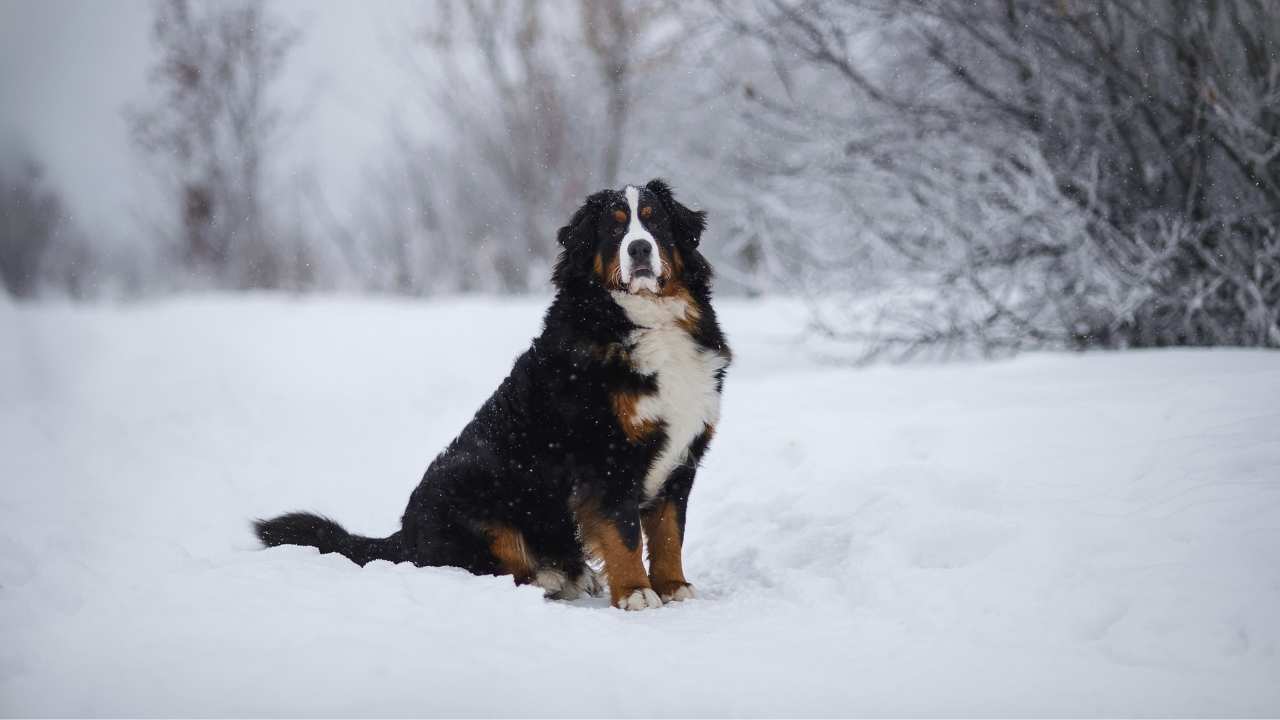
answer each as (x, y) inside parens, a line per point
(639, 250)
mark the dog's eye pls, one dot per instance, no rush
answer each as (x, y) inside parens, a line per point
(620, 215)
(646, 211)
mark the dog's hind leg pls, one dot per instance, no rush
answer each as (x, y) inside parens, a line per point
(512, 554)
(559, 567)
(569, 581)
(563, 570)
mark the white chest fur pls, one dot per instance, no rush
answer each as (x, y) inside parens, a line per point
(687, 400)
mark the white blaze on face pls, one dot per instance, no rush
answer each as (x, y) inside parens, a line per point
(637, 231)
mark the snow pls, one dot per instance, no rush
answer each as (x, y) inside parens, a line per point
(1056, 534)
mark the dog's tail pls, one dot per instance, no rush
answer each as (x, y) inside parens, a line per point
(321, 532)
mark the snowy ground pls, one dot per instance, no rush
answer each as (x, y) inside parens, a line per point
(1057, 534)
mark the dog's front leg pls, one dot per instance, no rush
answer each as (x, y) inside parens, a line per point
(664, 528)
(664, 520)
(614, 536)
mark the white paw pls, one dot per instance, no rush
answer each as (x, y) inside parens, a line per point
(556, 584)
(684, 592)
(640, 599)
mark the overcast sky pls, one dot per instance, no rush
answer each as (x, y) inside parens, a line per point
(68, 68)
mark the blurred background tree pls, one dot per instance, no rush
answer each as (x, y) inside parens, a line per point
(932, 177)
(210, 130)
(31, 219)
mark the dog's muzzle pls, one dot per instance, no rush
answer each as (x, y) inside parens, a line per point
(641, 254)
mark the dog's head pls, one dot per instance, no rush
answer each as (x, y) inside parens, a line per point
(637, 240)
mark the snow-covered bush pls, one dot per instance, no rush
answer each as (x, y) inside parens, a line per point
(1060, 174)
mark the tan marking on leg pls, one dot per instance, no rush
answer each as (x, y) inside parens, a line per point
(661, 529)
(635, 427)
(508, 546)
(624, 566)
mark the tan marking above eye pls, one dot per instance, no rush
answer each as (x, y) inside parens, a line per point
(620, 215)
(646, 211)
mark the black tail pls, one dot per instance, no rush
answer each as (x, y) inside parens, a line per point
(327, 535)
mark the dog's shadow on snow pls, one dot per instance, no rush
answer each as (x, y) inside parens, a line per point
(586, 601)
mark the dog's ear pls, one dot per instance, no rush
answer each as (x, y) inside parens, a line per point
(686, 224)
(577, 238)
(583, 223)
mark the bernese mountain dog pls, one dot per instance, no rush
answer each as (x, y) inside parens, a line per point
(595, 436)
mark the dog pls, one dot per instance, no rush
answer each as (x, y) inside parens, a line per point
(596, 435)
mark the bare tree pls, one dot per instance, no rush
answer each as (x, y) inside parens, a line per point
(531, 105)
(611, 29)
(210, 129)
(32, 220)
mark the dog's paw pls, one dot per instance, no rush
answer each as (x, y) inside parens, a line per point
(639, 599)
(674, 591)
(590, 582)
(556, 584)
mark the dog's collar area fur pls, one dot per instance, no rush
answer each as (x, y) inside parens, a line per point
(651, 311)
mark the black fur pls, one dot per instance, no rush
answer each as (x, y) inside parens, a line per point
(329, 537)
(547, 441)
